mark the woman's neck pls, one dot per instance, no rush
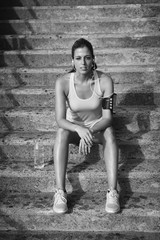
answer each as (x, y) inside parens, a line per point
(83, 77)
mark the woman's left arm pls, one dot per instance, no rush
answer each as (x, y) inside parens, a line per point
(107, 88)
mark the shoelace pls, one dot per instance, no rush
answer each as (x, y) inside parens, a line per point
(60, 198)
(114, 196)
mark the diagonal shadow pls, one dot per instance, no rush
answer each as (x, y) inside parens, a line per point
(130, 149)
(11, 224)
(73, 176)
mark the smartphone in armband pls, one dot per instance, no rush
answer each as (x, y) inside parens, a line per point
(110, 102)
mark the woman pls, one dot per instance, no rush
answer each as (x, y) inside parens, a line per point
(87, 119)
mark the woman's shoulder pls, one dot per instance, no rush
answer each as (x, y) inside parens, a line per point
(63, 78)
(104, 78)
(63, 81)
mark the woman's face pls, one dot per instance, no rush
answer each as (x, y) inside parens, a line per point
(83, 60)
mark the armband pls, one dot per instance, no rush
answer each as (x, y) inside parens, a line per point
(109, 102)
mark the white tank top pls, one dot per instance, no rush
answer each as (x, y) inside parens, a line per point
(85, 112)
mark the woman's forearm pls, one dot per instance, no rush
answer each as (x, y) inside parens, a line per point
(65, 124)
(102, 125)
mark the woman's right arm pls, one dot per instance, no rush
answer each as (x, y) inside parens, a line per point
(60, 106)
(60, 110)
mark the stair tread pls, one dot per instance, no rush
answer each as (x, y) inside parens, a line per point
(82, 13)
(140, 213)
(140, 204)
(73, 2)
(136, 26)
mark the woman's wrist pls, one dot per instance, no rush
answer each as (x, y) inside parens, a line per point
(76, 128)
(91, 130)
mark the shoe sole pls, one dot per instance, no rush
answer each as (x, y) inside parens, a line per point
(60, 212)
(111, 211)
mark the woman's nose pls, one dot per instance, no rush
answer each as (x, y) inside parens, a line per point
(83, 61)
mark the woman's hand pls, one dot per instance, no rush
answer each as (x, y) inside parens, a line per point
(84, 148)
(86, 139)
(85, 134)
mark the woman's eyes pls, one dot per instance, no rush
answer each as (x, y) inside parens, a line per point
(86, 58)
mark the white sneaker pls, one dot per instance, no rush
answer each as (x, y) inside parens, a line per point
(112, 203)
(60, 202)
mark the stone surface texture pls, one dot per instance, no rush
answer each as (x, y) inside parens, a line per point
(35, 49)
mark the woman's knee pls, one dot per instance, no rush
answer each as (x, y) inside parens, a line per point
(109, 135)
(62, 135)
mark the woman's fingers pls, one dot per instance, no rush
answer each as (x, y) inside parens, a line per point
(85, 134)
(89, 139)
(84, 148)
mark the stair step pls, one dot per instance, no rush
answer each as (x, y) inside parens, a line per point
(140, 212)
(31, 3)
(131, 95)
(78, 183)
(126, 119)
(83, 166)
(54, 42)
(14, 78)
(78, 235)
(61, 58)
(81, 221)
(16, 146)
(140, 204)
(102, 12)
(136, 26)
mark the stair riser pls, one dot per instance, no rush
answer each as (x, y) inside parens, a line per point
(25, 152)
(7, 235)
(150, 56)
(71, 2)
(86, 166)
(44, 121)
(62, 42)
(46, 98)
(81, 183)
(11, 101)
(84, 13)
(46, 221)
(49, 27)
(43, 79)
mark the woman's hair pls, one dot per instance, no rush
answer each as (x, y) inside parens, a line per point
(80, 43)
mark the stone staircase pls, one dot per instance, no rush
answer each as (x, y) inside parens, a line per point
(35, 41)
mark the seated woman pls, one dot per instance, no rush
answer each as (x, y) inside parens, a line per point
(84, 114)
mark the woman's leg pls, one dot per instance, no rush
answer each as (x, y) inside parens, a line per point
(61, 147)
(111, 160)
(107, 138)
(110, 157)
